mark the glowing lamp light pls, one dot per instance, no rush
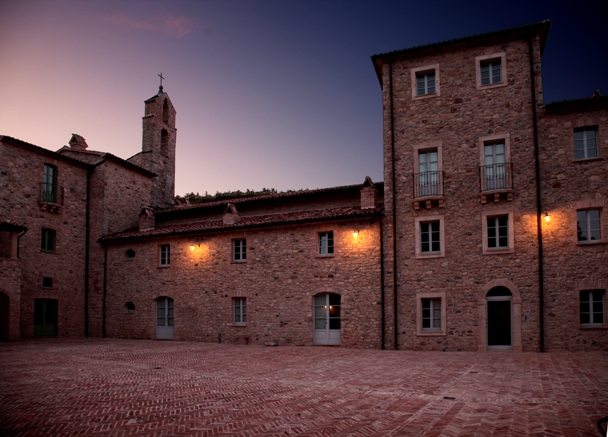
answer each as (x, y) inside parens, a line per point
(355, 234)
(192, 247)
(547, 217)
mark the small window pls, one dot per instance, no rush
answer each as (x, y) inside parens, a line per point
(48, 240)
(425, 81)
(239, 250)
(165, 255)
(592, 308)
(498, 232)
(239, 311)
(589, 225)
(130, 307)
(130, 254)
(47, 282)
(49, 184)
(490, 72)
(431, 314)
(585, 143)
(326, 243)
(430, 237)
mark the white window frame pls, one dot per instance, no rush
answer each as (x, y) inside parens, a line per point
(588, 222)
(428, 147)
(415, 72)
(429, 332)
(239, 311)
(325, 249)
(239, 250)
(590, 308)
(418, 237)
(487, 250)
(164, 255)
(502, 57)
(584, 131)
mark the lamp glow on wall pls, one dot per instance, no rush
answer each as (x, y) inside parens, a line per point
(547, 217)
(355, 234)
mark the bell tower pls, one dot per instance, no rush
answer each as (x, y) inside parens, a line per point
(158, 148)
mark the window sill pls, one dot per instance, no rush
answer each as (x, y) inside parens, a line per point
(498, 251)
(52, 252)
(238, 262)
(491, 86)
(592, 327)
(238, 325)
(577, 161)
(163, 267)
(425, 96)
(430, 334)
(430, 255)
(325, 256)
(589, 243)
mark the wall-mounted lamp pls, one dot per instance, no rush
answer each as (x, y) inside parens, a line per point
(547, 217)
(192, 247)
(355, 234)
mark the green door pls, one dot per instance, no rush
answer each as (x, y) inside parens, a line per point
(45, 317)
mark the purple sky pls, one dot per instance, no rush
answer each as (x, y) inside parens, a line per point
(276, 94)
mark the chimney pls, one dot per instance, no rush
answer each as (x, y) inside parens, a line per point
(78, 143)
(369, 194)
(146, 220)
(231, 216)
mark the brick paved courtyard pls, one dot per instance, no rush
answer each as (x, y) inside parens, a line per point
(152, 388)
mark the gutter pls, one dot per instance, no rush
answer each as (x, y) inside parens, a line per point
(539, 225)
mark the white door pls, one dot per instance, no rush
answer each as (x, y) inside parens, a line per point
(164, 318)
(327, 319)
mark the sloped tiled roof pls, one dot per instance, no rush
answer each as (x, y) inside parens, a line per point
(9, 226)
(287, 194)
(43, 151)
(248, 222)
(587, 103)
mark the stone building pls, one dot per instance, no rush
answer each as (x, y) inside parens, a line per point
(488, 233)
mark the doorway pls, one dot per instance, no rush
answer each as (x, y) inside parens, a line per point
(4, 317)
(164, 318)
(45, 317)
(327, 325)
(499, 319)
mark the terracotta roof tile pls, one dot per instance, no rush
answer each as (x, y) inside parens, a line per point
(247, 222)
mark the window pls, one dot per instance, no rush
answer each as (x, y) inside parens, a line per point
(165, 255)
(495, 168)
(497, 232)
(130, 254)
(428, 173)
(589, 225)
(425, 81)
(47, 282)
(49, 184)
(430, 314)
(430, 237)
(592, 308)
(585, 143)
(326, 243)
(130, 307)
(491, 70)
(48, 240)
(239, 311)
(430, 241)
(239, 250)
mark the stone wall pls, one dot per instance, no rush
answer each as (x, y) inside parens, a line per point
(279, 279)
(570, 266)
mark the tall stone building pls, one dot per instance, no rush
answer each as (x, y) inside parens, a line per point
(489, 232)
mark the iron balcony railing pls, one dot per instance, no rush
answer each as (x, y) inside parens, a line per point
(496, 177)
(428, 184)
(50, 193)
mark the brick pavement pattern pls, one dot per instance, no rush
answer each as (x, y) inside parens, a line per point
(153, 388)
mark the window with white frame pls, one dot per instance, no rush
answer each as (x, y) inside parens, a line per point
(589, 225)
(165, 255)
(497, 232)
(239, 311)
(430, 237)
(431, 314)
(425, 81)
(491, 70)
(592, 308)
(585, 143)
(239, 250)
(326, 243)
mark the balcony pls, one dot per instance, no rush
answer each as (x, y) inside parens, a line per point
(50, 197)
(428, 189)
(496, 181)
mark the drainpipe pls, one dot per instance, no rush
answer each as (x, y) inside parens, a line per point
(105, 270)
(539, 225)
(383, 316)
(394, 204)
(86, 254)
(21, 234)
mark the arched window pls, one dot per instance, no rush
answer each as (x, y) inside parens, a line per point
(164, 143)
(166, 111)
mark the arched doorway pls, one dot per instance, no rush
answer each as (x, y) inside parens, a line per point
(327, 323)
(499, 319)
(164, 318)
(499, 309)
(4, 317)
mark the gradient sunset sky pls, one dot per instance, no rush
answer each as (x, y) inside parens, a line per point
(276, 94)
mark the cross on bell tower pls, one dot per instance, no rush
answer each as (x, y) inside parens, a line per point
(160, 88)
